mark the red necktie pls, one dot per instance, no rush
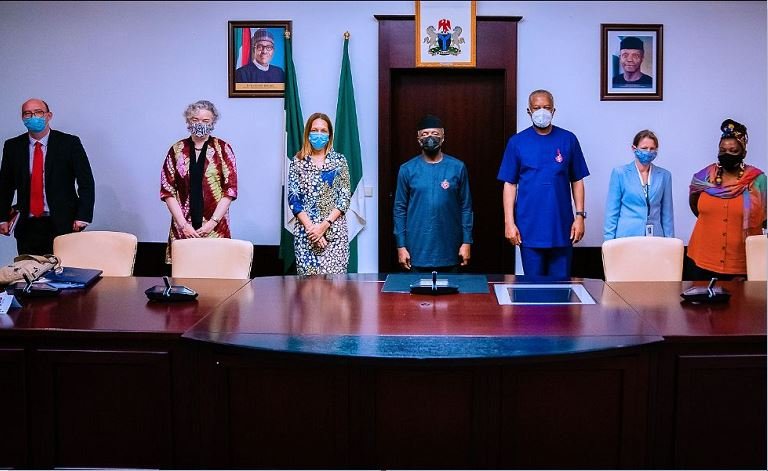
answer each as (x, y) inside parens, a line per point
(36, 187)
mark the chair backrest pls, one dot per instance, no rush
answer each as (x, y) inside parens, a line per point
(643, 259)
(112, 252)
(757, 258)
(211, 258)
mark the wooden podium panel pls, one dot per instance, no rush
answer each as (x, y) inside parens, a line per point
(332, 372)
(13, 426)
(720, 412)
(101, 407)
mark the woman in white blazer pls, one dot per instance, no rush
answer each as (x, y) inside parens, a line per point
(639, 198)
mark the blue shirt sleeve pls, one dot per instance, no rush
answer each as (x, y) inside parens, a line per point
(295, 199)
(578, 166)
(400, 209)
(667, 212)
(465, 198)
(510, 163)
(612, 205)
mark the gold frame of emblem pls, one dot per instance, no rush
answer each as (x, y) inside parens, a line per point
(429, 8)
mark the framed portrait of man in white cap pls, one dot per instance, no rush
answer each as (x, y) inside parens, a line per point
(257, 58)
(631, 62)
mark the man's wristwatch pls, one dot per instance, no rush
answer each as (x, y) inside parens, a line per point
(582, 214)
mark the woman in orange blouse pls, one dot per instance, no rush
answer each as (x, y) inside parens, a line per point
(729, 201)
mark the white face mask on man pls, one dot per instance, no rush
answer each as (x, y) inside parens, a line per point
(541, 118)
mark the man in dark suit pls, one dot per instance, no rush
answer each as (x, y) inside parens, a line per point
(51, 176)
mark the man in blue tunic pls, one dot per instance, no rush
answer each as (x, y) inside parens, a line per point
(433, 206)
(542, 167)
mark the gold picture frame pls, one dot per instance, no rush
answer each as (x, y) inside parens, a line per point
(257, 58)
(446, 33)
(631, 62)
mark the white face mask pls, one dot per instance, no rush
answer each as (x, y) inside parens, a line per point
(541, 118)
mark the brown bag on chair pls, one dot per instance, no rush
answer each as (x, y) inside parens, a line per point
(34, 266)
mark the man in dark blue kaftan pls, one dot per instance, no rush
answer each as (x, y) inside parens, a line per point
(433, 206)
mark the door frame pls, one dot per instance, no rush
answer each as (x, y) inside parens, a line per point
(496, 48)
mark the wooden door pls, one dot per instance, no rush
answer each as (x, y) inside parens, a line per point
(468, 102)
(478, 109)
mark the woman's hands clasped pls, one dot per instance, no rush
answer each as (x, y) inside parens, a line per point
(316, 234)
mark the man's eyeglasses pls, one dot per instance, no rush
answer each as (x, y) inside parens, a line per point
(267, 48)
(36, 114)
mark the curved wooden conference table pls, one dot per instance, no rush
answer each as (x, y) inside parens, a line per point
(329, 372)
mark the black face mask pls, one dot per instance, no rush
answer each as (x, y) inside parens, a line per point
(730, 161)
(430, 145)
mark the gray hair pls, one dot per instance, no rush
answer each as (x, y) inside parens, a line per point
(541, 92)
(201, 105)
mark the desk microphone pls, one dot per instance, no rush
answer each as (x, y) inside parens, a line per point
(28, 287)
(702, 295)
(423, 286)
(711, 288)
(168, 292)
(32, 290)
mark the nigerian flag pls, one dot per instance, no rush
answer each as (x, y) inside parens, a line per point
(346, 140)
(294, 130)
(242, 46)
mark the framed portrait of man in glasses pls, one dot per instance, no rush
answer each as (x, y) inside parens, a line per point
(257, 58)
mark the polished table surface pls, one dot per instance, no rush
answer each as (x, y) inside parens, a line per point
(116, 306)
(350, 316)
(659, 304)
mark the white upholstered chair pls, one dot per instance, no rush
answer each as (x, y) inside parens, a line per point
(643, 259)
(112, 252)
(757, 255)
(211, 258)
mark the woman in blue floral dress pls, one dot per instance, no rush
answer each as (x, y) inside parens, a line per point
(319, 195)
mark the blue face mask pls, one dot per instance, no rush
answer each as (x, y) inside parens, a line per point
(645, 156)
(318, 140)
(34, 124)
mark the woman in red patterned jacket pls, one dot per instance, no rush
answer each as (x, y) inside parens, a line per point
(199, 179)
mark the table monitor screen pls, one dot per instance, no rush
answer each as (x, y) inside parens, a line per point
(543, 295)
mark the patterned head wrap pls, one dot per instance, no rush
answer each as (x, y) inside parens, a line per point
(733, 130)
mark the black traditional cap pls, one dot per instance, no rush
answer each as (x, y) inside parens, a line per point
(430, 121)
(631, 42)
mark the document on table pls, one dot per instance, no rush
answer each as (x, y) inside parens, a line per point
(7, 301)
